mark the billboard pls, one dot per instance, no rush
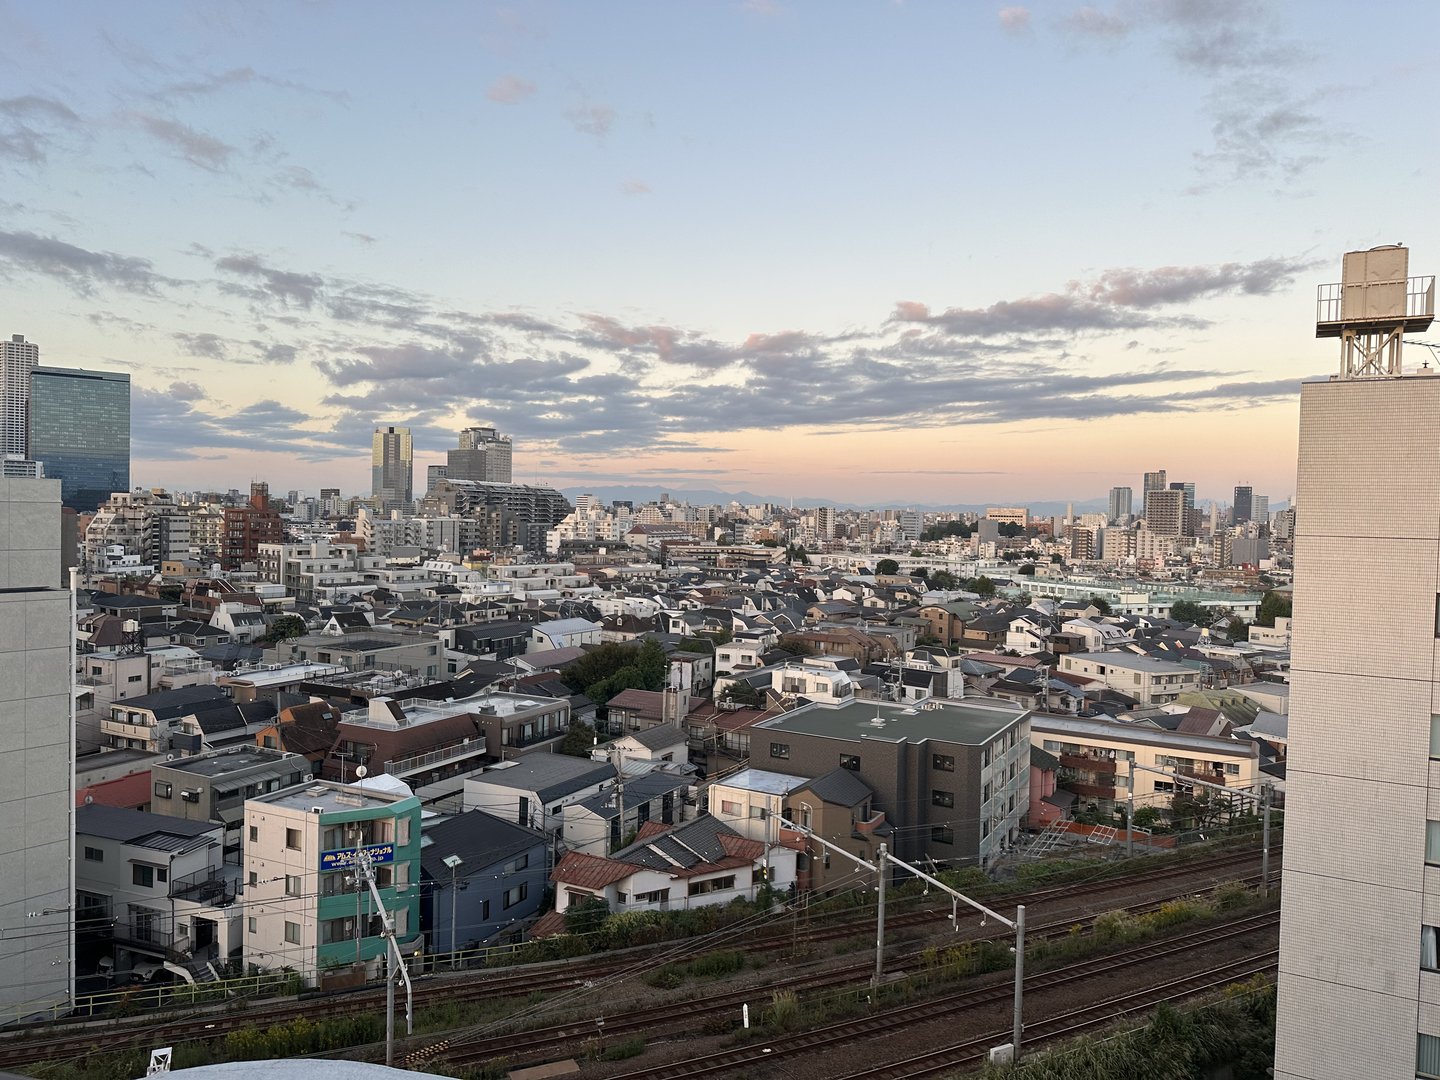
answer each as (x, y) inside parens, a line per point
(345, 857)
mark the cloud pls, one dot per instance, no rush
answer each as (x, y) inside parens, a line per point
(364, 238)
(29, 125)
(1015, 20)
(510, 90)
(635, 187)
(199, 149)
(187, 391)
(209, 346)
(286, 286)
(77, 267)
(1093, 22)
(592, 119)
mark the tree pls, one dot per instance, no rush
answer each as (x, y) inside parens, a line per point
(887, 567)
(282, 628)
(982, 586)
(943, 579)
(796, 553)
(578, 741)
(586, 916)
(1011, 529)
(1187, 611)
(742, 694)
(1100, 604)
(1028, 570)
(795, 646)
(1236, 629)
(1146, 817)
(1274, 605)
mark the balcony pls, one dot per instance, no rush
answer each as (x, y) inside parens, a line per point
(1339, 304)
(1087, 763)
(210, 887)
(1203, 774)
(517, 740)
(421, 762)
(1093, 791)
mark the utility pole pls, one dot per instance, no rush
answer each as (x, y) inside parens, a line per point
(366, 869)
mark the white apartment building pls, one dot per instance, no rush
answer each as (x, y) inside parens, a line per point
(1359, 984)
(1148, 681)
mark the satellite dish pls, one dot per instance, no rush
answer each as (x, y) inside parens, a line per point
(361, 771)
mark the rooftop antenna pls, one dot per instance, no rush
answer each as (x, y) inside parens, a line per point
(1371, 308)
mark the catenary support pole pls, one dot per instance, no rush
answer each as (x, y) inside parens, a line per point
(883, 873)
(1019, 1023)
(1265, 842)
(1130, 813)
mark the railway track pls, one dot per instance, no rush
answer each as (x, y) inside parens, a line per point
(538, 1042)
(218, 1020)
(1098, 1016)
(844, 1032)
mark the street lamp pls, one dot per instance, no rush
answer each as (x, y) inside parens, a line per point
(453, 862)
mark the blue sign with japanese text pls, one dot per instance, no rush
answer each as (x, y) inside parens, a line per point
(345, 857)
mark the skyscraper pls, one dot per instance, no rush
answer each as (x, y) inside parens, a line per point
(1121, 499)
(392, 468)
(1360, 909)
(1154, 481)
(80, 430)
(483, 454)
(37, 755)
(1165, 511)
(18, 358)
(1243, 505)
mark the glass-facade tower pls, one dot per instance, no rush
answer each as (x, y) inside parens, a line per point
(80, 429)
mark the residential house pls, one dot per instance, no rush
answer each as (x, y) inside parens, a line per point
(212, 787)
(482, 876)
(1147, 680)
(156, 890)
(697, 864)
(564, 633)
(147, 722)
(605, 821)
(535, 790)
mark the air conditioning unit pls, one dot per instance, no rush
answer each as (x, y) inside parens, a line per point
(317, 809)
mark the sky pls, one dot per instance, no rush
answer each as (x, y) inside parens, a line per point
(880, 252)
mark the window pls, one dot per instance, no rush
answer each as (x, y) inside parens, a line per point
(942, 762)
(515, 864)
(721, 884)
(292, 839)
(253, 925)
(658, 896)
(134, 678)
(162, 875)
(987, 791)
(780, 750)
(729, 809)
(985, 758)
(162, 789)
(94, 854)
(292, 932)
(292, 884)
(144, 876)
(942, 834)
(850, 761)
(254, 878)
(1429, 946)
(254, 833)
(515, 895)
(1427, 1056)
(1432, 842)
(942, 798)
(1232, 769)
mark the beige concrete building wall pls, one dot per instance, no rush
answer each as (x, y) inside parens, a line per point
(37, 755)
(1360, 786)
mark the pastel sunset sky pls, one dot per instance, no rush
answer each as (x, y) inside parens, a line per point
(881, 252)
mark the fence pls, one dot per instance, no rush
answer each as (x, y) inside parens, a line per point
(129, 999)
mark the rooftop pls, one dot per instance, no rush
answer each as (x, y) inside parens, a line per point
(766, 783)
(136, 827)
(235, 759)
(936, 718)
(1134, 662)
(1045, 724)
(280, 674)
(331, 797)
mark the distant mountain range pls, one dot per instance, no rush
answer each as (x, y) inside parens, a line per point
(643, 493)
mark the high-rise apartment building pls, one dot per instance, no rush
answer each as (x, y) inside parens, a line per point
(37, 755)
(1260, 509)
(80, 430)
(1359, 984)
(483, 454)
(825, 522)
(18, 358)
(1243, 507)
(392, 468)
(1154, 481)
(1165, 511)
(1121, 502)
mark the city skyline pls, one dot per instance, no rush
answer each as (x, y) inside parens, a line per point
(553, 226)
